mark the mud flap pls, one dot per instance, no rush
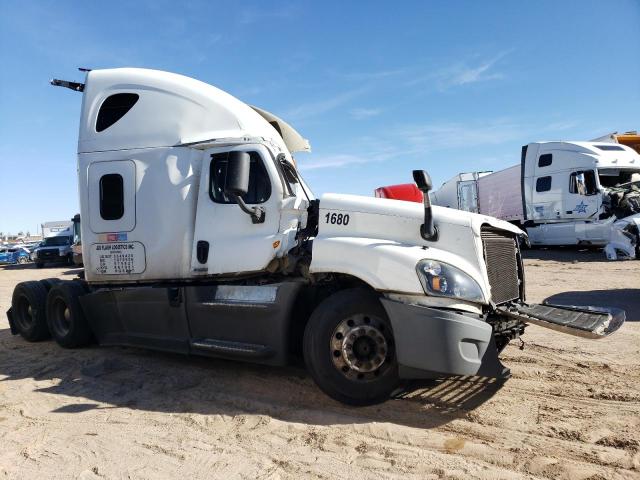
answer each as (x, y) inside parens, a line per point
(12, 325)
(581, 321)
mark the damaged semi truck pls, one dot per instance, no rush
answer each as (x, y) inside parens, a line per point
(561, 193)
(200, 236)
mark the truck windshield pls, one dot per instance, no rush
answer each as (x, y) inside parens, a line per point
(611, 177)
(292, 177)
(56, 241)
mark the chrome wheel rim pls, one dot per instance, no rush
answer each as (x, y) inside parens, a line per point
(361, 347)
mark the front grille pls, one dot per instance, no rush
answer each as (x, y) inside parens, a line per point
(48, 254)
(501, 257)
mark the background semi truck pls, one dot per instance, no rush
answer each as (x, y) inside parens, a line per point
(200, 236)
(561, 193)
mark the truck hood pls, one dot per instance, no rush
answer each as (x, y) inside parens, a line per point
(378, 240)
(414, 211)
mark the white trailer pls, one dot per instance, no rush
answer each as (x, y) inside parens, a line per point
(200, 236)
(54, 229)
(560, 193)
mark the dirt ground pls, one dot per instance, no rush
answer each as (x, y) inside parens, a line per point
(571, 410)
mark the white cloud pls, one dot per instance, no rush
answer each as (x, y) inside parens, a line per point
(465, 73)
(336, 160)
(362, 113)
(251, 15)
(312, 109)
(375, 75)
(433, 136)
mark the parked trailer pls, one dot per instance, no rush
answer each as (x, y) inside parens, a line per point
(200, 236)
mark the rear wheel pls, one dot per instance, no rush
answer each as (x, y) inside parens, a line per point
(349, 348)
(28, 305)
(49, 282)
(66, 319)
(22, 260)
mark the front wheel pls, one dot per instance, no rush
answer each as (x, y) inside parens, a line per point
(349, 348)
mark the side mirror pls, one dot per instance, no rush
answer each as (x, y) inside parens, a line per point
(423, 180)
(428, 230)
(236, 184)
(237, 179)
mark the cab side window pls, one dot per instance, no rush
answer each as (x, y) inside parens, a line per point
(543, 184)
(545, 160)
(111, 196)
(259, 185)
(589, 180)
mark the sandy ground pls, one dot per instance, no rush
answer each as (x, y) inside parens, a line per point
(571, 410)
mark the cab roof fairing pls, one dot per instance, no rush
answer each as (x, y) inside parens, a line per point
(172, 110)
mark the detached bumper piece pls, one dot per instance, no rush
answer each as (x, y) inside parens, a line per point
(431, 342)
(581, 321)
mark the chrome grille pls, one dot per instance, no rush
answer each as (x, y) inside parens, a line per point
(501, 257)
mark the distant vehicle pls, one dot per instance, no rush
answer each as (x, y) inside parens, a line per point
(12, 255)
(54, 250)
(562, 193)
(54, 229)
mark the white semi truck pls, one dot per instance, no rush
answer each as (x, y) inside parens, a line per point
(200, 236)
(561, 193)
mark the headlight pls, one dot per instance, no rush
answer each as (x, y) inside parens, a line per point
(444, 280)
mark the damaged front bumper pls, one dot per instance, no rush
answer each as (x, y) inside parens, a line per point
(624, 239)
(581, 321)
(432, 342)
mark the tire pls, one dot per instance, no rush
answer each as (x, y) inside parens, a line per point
(28, 305)
(39, 264)
(348, 348)
(49, 282)
(67, 323)
(22, 260)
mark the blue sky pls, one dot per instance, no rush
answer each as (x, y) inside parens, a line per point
(379, 88)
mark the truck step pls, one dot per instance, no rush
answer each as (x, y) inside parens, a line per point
(581, 321)
(232, 349)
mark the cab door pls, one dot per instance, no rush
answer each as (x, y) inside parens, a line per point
(226, 240)
(581, 199)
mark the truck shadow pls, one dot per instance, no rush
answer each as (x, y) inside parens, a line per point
(110, 378)
(17, 266)
(627, 299)
(566, 254)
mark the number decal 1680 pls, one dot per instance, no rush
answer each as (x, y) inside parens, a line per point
(337, 218)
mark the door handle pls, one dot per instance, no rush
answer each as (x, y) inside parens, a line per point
(202, 251)
(174, 295)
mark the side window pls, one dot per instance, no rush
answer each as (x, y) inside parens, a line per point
(111, 196)
(543, 184)
(591, 188)
(545, 160)
(114, 108)
(259, 185)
